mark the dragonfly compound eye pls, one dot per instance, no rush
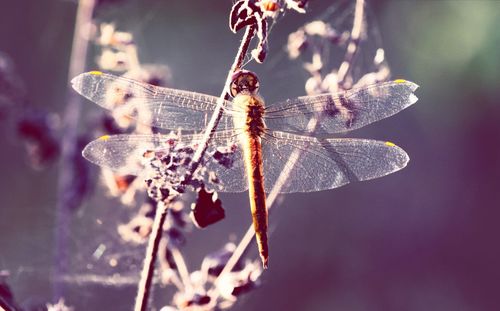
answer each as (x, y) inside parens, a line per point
(244, 81)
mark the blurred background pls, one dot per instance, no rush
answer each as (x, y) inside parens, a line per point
(424, 238)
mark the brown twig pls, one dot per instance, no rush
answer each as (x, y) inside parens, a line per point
(219, 109)
(353, 45)
(181, 268)
(144, 287)
(151, 252)
(69, 143)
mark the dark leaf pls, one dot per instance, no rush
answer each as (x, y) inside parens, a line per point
(207, 210)
(38, 128)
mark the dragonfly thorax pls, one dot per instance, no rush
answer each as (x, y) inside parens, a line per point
(251, 121)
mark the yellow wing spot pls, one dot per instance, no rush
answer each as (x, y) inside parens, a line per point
(390, 144)
(400, 81)
(95, 73)
(104, 137)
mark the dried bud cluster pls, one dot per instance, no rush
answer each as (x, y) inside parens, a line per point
(314, 43)
(305, 36)
(166, 168)
(254, 13)
(206, 291)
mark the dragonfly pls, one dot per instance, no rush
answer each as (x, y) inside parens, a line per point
(258, 139)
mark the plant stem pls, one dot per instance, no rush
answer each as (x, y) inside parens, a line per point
(141, 301)
(144, 287)
(69, 145)
(352, 47)
(219, 109)
(181, 268)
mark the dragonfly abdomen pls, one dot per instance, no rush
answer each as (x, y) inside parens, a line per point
(252, 125)
(255, 174)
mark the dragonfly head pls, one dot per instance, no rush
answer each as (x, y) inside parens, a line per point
(244, 82)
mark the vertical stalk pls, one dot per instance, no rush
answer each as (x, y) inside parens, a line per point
(143, 291)
(219, 109)
(352, 47)
(144, 287)
(68, 144)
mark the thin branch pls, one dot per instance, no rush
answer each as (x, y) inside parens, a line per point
(165, 266)
(151, 252)
(144, 287)
(353, 45)
(181, 268)
(69, 143)
(219, 109)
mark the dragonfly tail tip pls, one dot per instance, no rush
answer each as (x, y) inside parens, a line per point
(265, 261)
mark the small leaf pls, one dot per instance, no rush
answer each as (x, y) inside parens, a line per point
(207, 210)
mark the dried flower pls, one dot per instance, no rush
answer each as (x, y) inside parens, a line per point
(113, 60)
(39, 129)
(236, 283)
(109, 36)
(191, 301)
(137, 230)
(59, 306)
(246, 13)
(213, 263)
(297, 5)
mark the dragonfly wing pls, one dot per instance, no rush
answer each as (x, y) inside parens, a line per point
(225, 158)
(322, 164)
(344, 111)
(127, 154)
(152, 105)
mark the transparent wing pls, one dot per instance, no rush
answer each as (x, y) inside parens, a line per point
(344, 111)
(153, 105)
(321, 163)
(326, 163)
(126, 154)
